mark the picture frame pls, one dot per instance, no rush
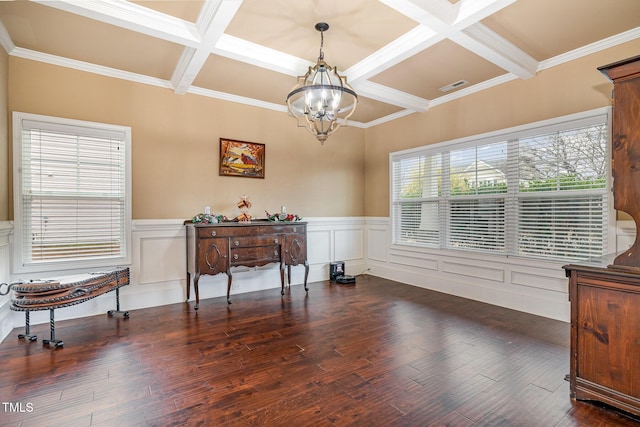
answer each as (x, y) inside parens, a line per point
(241, 158)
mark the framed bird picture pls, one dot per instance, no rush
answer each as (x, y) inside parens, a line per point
(241, 158)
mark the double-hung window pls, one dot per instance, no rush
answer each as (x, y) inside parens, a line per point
(535, 191)
(72, 193)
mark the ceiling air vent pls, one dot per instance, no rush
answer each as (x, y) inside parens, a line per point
(452, 86)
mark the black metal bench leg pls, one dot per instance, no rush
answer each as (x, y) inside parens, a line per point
(124, 314)
(27, 331)
(52, 341)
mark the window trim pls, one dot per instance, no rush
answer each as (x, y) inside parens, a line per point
(507, 134)
(19, 264)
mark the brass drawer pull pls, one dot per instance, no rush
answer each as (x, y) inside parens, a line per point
(275, 253)
(236, 243)
(275, 240)
(213, 233)
(235, 256)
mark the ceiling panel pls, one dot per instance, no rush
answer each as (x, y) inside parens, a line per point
(442, 64)
(186, 9)
(238, 78)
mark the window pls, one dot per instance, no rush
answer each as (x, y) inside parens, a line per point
(537, 191)
(71, 193)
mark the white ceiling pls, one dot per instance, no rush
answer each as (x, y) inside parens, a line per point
(396, 54)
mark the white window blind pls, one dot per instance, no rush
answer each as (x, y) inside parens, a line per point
(73, 196)
(535, 191)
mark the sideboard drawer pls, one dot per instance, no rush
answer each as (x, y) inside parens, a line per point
(282, 229)
(224, 231)
(247, 242)
(256, 255)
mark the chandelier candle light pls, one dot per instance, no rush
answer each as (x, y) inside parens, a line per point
(322, 101)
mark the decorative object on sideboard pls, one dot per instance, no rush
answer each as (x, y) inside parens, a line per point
(244, 205)
(204, 218)
(322, 101)
(283, 216)
(241, 158)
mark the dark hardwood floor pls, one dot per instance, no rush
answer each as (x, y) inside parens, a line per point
(379, 353)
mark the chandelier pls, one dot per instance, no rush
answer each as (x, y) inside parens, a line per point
(322, 101)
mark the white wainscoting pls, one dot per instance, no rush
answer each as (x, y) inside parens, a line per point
(6, 321)
(536, 287)
(158, 269)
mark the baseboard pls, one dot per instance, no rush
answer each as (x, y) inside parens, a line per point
(6, 319)
(537, 303)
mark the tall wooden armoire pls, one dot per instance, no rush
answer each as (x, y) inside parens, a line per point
(605, 293)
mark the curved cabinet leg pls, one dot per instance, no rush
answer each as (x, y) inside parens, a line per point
(230, 278)
(188, 285)
(306, 274)
(282, 277)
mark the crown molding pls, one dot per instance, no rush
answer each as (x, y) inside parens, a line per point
(595, 47)
(389, 118)
(90, 68)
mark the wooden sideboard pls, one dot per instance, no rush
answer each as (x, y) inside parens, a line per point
(216, 248)
(605, 333)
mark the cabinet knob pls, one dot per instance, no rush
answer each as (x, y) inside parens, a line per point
(213, 232)
(236, 243)
(275, 253)
(295, 230)
(235, 256)
(275, 240)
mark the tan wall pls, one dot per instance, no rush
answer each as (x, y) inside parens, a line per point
(4, 138)
(569, 88)
(175, 137)
(175, 147)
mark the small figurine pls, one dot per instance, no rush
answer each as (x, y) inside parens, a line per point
(244, 205)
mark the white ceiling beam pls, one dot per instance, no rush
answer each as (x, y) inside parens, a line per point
(403, 47)
(5, 39)
(132, 17)
(390, 96)
(489, 45)
(212, 22)
(461, 24)
(260, 56)
(471, 11)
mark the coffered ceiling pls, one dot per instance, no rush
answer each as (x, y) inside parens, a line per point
(397, 54)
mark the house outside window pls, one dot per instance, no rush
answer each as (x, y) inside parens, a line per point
(535, 191)
(72, 193)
